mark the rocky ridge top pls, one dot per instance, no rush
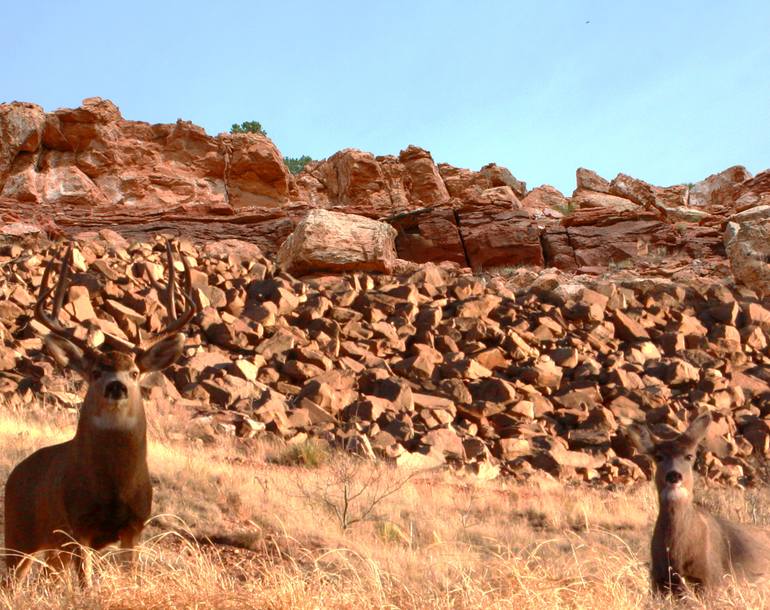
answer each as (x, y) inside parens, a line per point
(87, 167)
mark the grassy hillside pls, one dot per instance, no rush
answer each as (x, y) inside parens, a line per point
(235, 529)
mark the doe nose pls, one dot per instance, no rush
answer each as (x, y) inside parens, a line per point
(673, 477)
(115, 390)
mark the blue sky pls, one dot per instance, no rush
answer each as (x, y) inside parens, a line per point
(668, 91)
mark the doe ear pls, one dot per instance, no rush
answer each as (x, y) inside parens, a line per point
(697, 429)
(161, 354)
(69, 355)
(641, 439)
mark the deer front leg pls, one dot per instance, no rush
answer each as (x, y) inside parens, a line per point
(129, 538)
(17, 568)
(83, 566)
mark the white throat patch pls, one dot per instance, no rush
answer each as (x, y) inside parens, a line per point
(676, 493)
(114, 420)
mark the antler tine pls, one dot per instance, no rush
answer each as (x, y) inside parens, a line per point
(52, 323)
(190, 308)
(58, 297)
(171, 286)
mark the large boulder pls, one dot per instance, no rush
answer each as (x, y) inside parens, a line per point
(425, 185)
(589, 180)
(720, 189)
(334, 242)
(21, 129)
(648, 196)
(467, 185)
(429, 235)
(257, 175)
(593, 199)
(747, 244)
(495, 237)
(754, 191)
(543, 199)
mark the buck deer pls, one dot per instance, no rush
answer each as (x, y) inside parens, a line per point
(94, 489)
(691, 548)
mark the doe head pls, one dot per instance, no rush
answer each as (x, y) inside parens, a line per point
(674, 458)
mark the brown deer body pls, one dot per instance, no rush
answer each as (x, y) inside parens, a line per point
(690, 546)
(95, 489)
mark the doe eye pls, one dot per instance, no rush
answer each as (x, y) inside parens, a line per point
(95, 374)
(689, 457)
(134, 374)
(658, 457)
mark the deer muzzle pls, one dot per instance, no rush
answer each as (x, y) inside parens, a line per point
(115, 391)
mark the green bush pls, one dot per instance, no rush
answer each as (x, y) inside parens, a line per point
(248, 127)
(296, 165)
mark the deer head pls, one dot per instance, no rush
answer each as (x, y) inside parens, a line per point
(674, 458)
(113, 372)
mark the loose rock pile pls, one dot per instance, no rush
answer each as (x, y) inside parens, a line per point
(534, 371)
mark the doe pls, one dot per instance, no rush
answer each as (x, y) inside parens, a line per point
(94, 489)
(691, 548)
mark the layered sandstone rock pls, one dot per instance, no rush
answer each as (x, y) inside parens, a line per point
(87, 168)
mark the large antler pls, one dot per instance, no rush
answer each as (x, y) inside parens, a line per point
(168, 294)
(51, 322)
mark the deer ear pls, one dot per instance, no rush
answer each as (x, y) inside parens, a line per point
(697, 429)
(641, 439)
(68, 355)
(162, 354)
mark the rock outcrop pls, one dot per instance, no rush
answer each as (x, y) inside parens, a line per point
(87, 168)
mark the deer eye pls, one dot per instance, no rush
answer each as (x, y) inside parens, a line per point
(689, 457)
(658, 457)
(134, 375)
(96, 373)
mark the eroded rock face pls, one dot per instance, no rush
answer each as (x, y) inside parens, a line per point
(544, 198)
(91, 156)
(425, 185)
(361, 183)
(334, 241)
(90, 168)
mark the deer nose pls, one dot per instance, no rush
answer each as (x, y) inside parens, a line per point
(673, 477)
(115, 390)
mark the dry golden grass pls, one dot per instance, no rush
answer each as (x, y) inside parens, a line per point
(235, 530)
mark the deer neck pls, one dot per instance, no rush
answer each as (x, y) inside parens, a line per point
(111, 451)
(676, 518)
